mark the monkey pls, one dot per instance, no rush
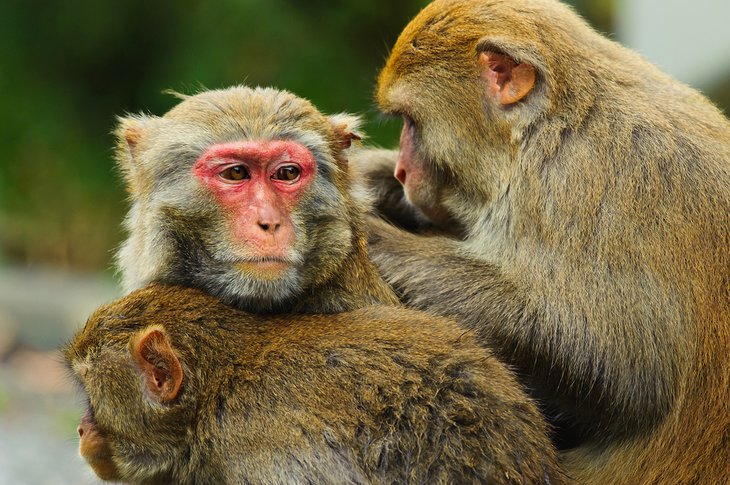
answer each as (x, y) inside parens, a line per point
(185, 389)
(583, 199)
(246, 193)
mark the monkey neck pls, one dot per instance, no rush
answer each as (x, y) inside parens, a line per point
(356, 283)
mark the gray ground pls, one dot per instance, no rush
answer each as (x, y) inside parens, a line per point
(39, 407)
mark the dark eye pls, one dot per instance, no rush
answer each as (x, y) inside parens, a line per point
(237, 172)
(288, 173)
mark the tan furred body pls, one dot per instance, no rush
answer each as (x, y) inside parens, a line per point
(378, 395)
(595, 218)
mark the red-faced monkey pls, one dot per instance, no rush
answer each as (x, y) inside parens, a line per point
(246, 193)
(589, 194)
(183, 389)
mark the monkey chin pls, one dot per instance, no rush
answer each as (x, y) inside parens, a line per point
(435, 215)
(429, 207)
(104, 468)
(257, 285)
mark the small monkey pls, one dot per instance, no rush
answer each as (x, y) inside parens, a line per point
(184, 389)
(247, 194)
(588, 199)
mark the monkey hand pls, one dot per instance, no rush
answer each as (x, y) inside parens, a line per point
(437, 273)
(375, 165)
(382, 236)
(402, 256)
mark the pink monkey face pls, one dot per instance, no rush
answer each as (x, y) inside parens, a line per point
(258, 185)
(419, 183)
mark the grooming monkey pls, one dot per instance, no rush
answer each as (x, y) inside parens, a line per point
(183, 389)
(589, 197)
(247, 194)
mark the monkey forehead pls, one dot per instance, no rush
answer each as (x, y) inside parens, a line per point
(260, 150)
(109, 326)
(437, 50)
(237, 114)
(444, 27)
(253, 110)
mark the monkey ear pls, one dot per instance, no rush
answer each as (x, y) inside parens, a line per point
(130, 131)
(158, 363)
(508, 81)
(347, 127)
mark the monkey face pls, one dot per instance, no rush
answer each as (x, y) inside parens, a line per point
(418, 178)
(464, 99)
(95, 449)
(258, 187)
(241, 192)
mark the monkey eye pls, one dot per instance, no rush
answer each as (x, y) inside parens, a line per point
(235, 173)
(287, 173)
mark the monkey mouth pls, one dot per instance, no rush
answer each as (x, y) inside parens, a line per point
(94, 448)
(266, 267)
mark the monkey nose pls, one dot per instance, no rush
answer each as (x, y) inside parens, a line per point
(400, 174)
(80, 431)
(270, 227)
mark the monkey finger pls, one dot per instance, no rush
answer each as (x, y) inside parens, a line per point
(380, 231)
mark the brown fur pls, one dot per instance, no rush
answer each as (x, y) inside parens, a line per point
(596, 245)
(377, 395)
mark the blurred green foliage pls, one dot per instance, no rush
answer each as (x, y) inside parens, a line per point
(67, 68)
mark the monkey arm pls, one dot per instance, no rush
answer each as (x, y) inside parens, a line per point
(599, 371)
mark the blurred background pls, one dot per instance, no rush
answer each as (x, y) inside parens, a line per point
(68, 68)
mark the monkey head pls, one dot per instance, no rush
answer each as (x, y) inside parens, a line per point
(468, 79)
(137, 404)
(236, 191)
